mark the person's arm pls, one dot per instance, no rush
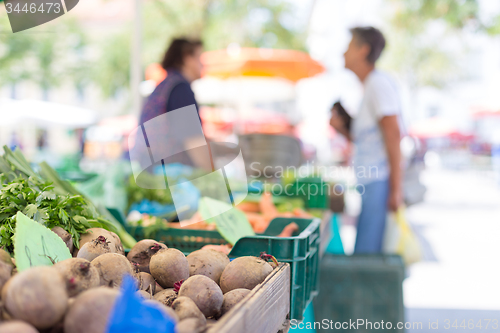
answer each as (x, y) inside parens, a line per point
(390, 131)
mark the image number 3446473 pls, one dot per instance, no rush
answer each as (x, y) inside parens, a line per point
(27, 14)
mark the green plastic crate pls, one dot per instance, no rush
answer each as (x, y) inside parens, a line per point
(301, 251)
(368, 287)
(314, 191)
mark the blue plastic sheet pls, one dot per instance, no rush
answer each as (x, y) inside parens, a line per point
(175, 170)
(186, 199)
(132, 315)
(152, 208)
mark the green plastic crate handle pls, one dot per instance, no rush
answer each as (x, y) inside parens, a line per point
(265, 240)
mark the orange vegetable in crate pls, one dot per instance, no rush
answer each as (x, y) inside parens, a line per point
(258, 222)
(221, 248)
(301, 213)
(201, 225)
(197, 226)
(267, 207)
(289, 229)
(249, 207)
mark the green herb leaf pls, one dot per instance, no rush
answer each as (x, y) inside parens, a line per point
(30, 210)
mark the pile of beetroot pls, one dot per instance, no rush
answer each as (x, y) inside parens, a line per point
(77, 295)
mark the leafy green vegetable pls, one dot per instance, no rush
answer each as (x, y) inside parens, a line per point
(37, 200)
(231, 223)
(137, 194)
(56, 202)
(64, 187)
(290, 204)
(163, 196)
(150, 231)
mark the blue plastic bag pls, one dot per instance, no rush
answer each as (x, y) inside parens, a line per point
(132, 315)
(175, 170)
(152, 208)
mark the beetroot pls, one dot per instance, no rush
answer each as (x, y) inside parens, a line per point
(37, 296)
(184, 307)
(79, 275)
(168, 311)
(144, 294)
(204, 292)
(146, 282)
(6, 267)
(17, 326)
(168, 266)
(90, 311)
(65, 236)
(166, 297)
(140, 255)
(190, 325)
(94, 248)
(112, 267)
(115, 243)
(158, 288)
(210, 263)
(244, 272)
(232, 298)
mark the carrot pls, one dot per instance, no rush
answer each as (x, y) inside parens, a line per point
(289, 230)
(198, 224)
(257, 221)
(250, 207)
(221, 248)
(301, 213)
(267, 206)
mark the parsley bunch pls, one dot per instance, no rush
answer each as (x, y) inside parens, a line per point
(37, 199)
(49, 200)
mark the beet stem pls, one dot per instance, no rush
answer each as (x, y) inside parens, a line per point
(266, 257)
(177, 285)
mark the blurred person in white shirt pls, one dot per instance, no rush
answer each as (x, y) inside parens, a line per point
(376, 135)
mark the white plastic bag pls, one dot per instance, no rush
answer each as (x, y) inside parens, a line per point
(400, 239)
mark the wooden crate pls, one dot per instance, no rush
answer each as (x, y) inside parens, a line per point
(264, 310)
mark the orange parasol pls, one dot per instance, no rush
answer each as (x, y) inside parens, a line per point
(288, 64)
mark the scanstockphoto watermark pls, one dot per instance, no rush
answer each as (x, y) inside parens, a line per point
(258, 170)
(310, 190)
(364, 324)
(26, 14)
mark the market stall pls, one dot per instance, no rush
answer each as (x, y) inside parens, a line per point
(125, 256)
(284, 240)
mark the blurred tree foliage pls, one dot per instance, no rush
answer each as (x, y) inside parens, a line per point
(111, 73)
(253, 23)
(70, 56)
(13, 53)
(49, 58)
(250, 23)
(417, 32)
